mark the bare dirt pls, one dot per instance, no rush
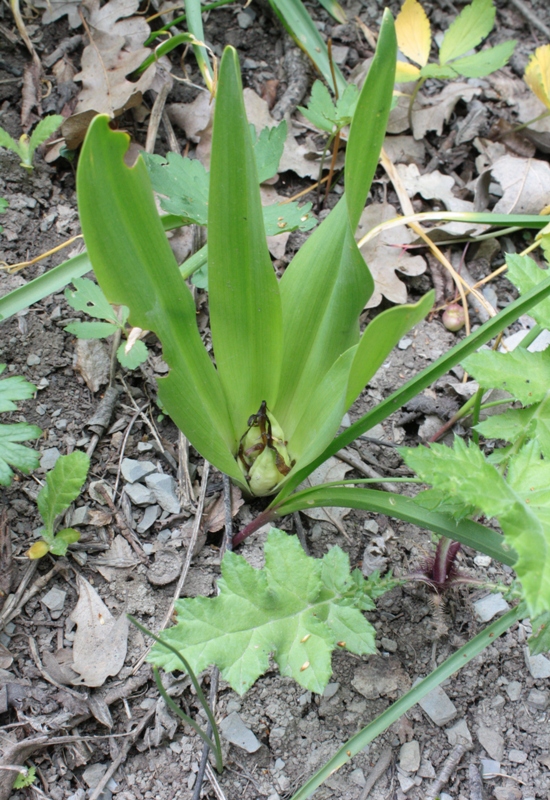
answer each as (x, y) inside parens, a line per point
(297, 731)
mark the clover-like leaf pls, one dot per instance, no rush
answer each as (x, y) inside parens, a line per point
(296, 608)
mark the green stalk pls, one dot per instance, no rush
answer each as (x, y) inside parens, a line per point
(459, 659)
(183, 18)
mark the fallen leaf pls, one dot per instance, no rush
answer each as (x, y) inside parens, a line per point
(431, 113)
(93, 362)
(432, 186)
(216, 515)
(385, 254)
(119, 556)
(100, 643)
(55, 9)
(525, 183)
(331, 470)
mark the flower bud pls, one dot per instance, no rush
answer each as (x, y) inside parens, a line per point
(263, 456)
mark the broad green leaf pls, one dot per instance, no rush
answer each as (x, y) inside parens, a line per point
(44, 130)
(537, 74)
(91, 330)
(8, 142)
(525, 274)
(320, 110)
(295, 18)
(524, 374)
(370, 120)
(63, 485)
(284, 609)
(182, 184)
(62, 540)
(16, 455)
(442, 72)
(13, 389)
(135, 267)
(472, 25)
(532, 422)
(284, 217)
(244, 302)
(193, 13)
(88, 297)
(379, 339)
(486, 61)
(135, 356)
(268, 149)
(539, 642)
(412, 29)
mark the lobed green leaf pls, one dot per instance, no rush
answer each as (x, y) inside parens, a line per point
(16, 455)
(524, 374)
(13, 389)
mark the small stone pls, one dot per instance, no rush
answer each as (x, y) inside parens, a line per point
(513, 690)
(488, 607)
(438, 707)
(404, 343)
(330, 690)
(235, 731)
(54, 600)
(538, 666)
(93, 774)
(517, 756)
(96, 491)
(346, 421)
(491, 741)
(164, 489)
(139, 494)
(165, 569)
(445, 796)
(340, 54)
(371, 526)
(426, 770)
(482, 561)
(80, 515)
(405, 782)
(459, 732)
(357, 777)
(538, 700)
(49, 458)
(498, 701)
(507, 793)
(489, 768)
(33, 360)
(389, 644)
(409, 756)
(152, 513)
(144, 447)
(245, 19)
(133, 470)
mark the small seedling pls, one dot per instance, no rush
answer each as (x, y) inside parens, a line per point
(25, 779)
(26, 146)
(12, 454)
(88, 297)
(63, 485)
(326, 114)
(3, 205)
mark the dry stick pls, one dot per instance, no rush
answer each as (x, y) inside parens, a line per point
(187, 563)
(184, 477)
(449, 766)
(529, 15)
(21, 598)
(476, 786)
(125, 529)
(156, 115)
(123, 753)
(384, 761)
(22, 264)
(173, 143)
(123, 445)
(364, 469)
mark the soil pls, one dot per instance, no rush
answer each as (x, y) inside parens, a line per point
(297, 731)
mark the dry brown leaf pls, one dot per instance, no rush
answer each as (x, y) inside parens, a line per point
(331, 470)
(93, 362)
(525, 183)
(432, 186)
(431, 113)
(216, 514)
(115, 51)
(100, 644)
(55, 9)
(385, 254)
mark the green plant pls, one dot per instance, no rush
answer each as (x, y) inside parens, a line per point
(289, 358)
(473, 24)
(25, 779)
(11, 453)
(3, 205)
(88, 297)
(26, 146)
(63, 485)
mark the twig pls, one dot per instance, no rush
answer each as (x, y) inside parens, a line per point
(300, 532)
(21, 598)
(123, 445)
(211, 775)
(449, 766)
(188, 558)
(384, 761)
(184, 477)
(364, 469)
(476, 786)
(156, 115)
(125, 529)
(531, 17)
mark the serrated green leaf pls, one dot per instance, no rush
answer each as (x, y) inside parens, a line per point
(320, 110)
(89, 297)
(525, 274)
(63, 485)
(472, 25)
(43, 131)
(284, 609)
(524, 374)
(13, 389)
(532, 422)
(346, 105)
(268, 149)
(16, 455)
(8, 142)
(183, 185)
(483, 63)
(539, 642)
(134, 357)
(91, 330)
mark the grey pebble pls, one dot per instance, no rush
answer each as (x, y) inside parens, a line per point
(538, 700)
(33, 360)
(357, 777)
(489, 768)
(49, 458)
(54, 600)
(409, 756)
(151, 515)
(139, 494)
(133, 470)
(330, 690)
(389, 644)
(144, 447)
(438, 706)
(491, 741)
(80, 515)
(235, 731)
(404, 343)
(513, 690)
(488, 607)
(459, 732)
(164, 489)
(538, 666)
(517, 756)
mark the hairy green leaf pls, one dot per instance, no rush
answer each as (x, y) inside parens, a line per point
(472, 25)
(16, 455)
(183, 185)
(63, 485)
(13, 389)
(524, 374)
(532, 422)
(326, 114)
(525, 274)
(8, 142)
(296, 608)
(89, 297)
(442, 72)
(483, 63)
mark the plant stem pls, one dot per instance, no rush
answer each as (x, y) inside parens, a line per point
(397, 709)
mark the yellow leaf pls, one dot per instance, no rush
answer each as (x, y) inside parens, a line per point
(37, 550)
(412, 28)
(537, 74)
(405, 72)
